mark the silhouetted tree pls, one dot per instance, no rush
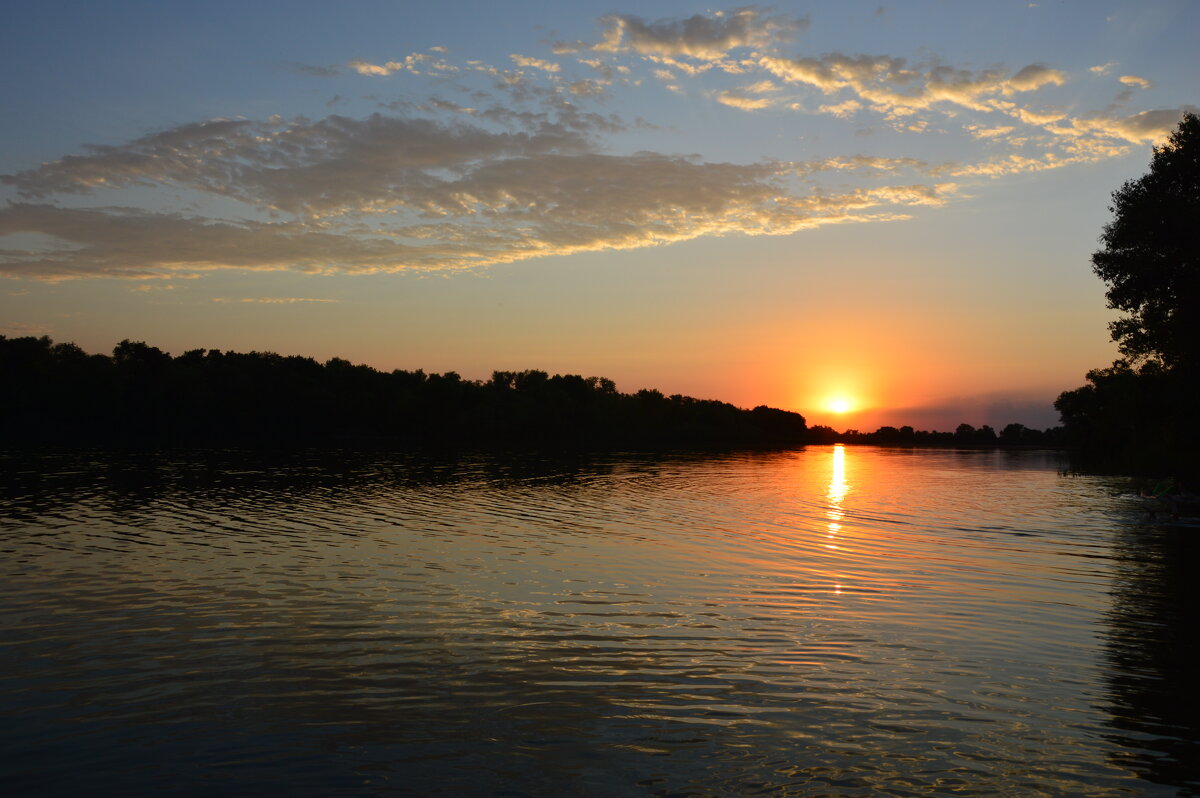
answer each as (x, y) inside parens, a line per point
(1151, 255)
(822, 434)
(1138, 415)
(985, 435)
(1013, 433)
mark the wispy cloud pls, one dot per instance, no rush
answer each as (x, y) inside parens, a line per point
(18, 329)
(272, 300)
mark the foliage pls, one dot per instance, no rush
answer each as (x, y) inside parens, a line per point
(1151, 255)
(1137, 415)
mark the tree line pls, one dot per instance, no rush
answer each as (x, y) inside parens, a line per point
(57, 393)
(964, 435)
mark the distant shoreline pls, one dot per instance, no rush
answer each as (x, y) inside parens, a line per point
(140, 396)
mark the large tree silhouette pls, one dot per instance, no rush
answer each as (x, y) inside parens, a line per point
(1139, 414)
(1151, 255)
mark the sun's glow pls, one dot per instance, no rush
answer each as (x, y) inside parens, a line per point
(840, 404)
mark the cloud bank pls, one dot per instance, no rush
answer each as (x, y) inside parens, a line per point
(521, 163)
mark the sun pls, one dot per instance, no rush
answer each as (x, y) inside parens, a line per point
(840, 404)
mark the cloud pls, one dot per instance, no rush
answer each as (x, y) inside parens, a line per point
(20, 330)
(1135, 81)
(445, 105)
(534, 63)
(698, 36)
(737, 99)
(984, 132)
(440, 185)
(324, 168)
(1102, 69)
(891, 85)
(607, 71)
(761, 87)
(416, 63)
(842, 110)
(1033, 77)
(176, 151)
(475, 199)
(366, 68)
(110, 242)
(1029, 116)
(1145, 126)
(1072, 151)
(585, 88)
(312, 70)
(569, 48)
(273, 300)
(874, 163)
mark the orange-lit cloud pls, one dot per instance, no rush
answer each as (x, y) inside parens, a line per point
(736, 99)
(1135, 81)
(535, 63)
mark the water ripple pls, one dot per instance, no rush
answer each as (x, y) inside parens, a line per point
(822, 622)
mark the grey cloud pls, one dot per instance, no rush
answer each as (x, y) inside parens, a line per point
(312, 70)
(494, 210)
(130, 243)
(1035, 76)
(586, 88)
(699, 36)
(176, 153)
(331, 166)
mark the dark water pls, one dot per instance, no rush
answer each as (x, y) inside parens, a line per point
(822, 622)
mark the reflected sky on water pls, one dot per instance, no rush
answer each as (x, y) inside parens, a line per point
(830, 621)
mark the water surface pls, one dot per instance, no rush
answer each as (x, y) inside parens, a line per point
(828, 621)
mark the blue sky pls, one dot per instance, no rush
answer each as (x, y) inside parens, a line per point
(892, 202)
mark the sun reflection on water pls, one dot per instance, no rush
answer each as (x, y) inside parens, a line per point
(836, 493)
(837, 483)
(838, 487)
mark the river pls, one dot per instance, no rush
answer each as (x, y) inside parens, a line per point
(827, 621)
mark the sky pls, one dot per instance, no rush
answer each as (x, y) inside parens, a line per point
(889, 204)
